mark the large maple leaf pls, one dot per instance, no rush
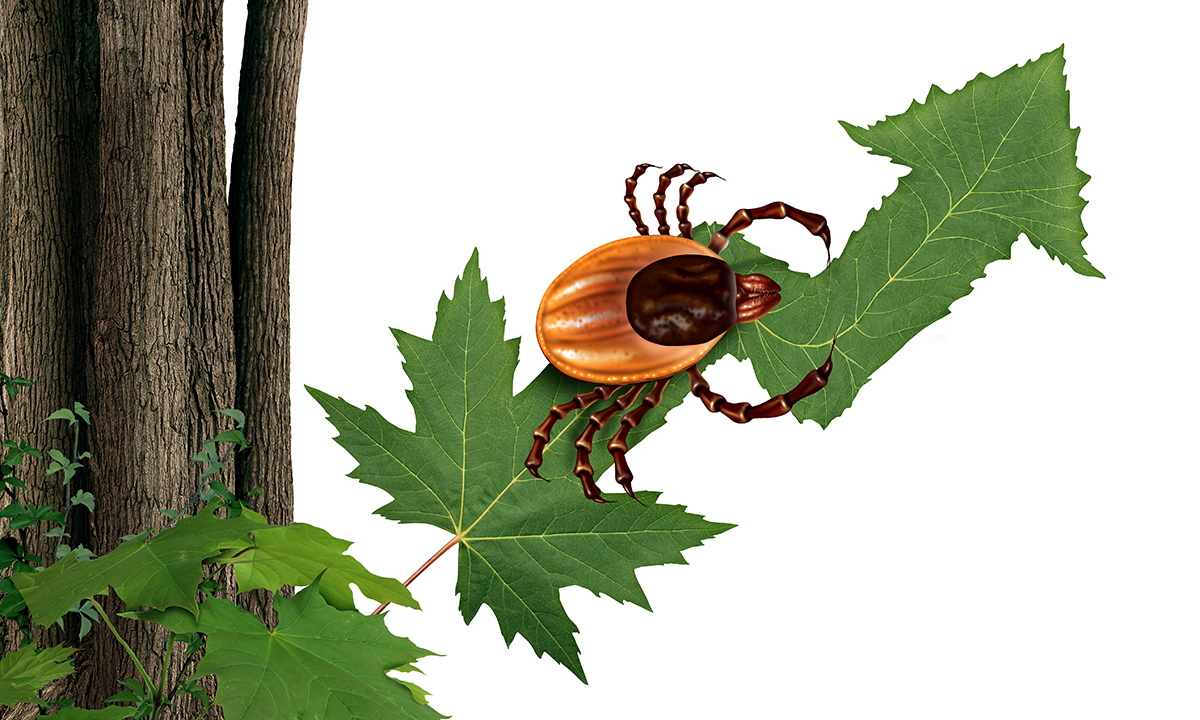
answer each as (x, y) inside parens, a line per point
(991, 161)
(462, 469)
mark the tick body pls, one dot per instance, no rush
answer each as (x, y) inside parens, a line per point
(582, 324)
(638, 311)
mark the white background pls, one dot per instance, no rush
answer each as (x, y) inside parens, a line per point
(1004, 525)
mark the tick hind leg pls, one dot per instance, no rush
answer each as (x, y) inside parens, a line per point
(583, 446)
(631, 201)
(541, 435)
(743, 412)
(619, 445)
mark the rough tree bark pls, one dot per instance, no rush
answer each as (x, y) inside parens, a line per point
(122, 285)
(260, 221)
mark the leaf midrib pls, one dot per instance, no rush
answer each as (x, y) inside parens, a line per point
(987, 167)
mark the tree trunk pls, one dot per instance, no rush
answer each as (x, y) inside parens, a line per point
(118, 279)
(260, 220)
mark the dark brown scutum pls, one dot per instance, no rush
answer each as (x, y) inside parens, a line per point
(772, 211)
(682, 300)
(631, 201)
(743, 412)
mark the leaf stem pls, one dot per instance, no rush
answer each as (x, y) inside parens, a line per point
(453, 541)
(104, 616)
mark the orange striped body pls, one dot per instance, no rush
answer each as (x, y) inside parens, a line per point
(582, 326)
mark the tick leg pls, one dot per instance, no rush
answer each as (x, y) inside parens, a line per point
(541, 436)
(780, 404)
(631, 201)
(774, 211)
(619, 445)
(583, 463)
(685, 192)
(660, 196)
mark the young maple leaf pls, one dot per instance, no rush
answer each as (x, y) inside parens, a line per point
(989, 162)
(462, 469)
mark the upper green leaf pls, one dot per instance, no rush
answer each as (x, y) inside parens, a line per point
(990, 161)
(318, 663)
(462, 470)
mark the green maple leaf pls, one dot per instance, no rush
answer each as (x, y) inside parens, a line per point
(989, 162)
(162, 572)
(295, 554)
(24, 672)
(319, 662)
(112, 712)
(462, 470)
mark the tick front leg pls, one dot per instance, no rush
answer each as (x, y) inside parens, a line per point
(660, 195)
(631, 201)
(774, 211)
(541, 435)
(743, 412)
(685, 192)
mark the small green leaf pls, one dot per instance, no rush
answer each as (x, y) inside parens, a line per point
(63, 414)
(26, 671)
(84, 498)
(19, 515)
(233, 436)
(87, 416)
(222, 491)
(238, 416)
(12, 604)
(10, 550)
(212, 469)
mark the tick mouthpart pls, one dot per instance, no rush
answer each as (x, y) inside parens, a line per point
(757, 295)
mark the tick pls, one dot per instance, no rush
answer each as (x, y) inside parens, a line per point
(640, 310)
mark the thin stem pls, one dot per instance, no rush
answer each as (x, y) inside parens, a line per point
(104, 616)
(453, 541)
(158, 691)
